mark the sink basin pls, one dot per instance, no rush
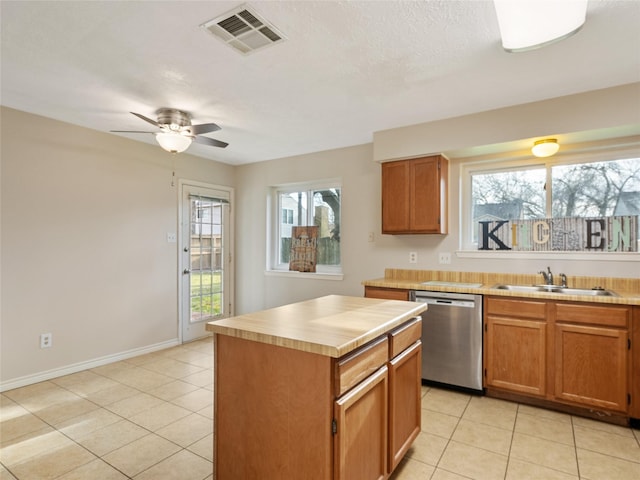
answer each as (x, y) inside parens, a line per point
(595, 292)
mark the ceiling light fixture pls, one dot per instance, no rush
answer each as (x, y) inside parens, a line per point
(530, 24)
(173, 142)
(545, 148)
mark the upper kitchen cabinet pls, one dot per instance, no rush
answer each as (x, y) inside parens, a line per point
(414, 195)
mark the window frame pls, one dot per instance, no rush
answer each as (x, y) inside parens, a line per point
(468, 168)
(274, 225)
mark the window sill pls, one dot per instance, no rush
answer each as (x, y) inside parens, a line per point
(309, 275)
(571, 256)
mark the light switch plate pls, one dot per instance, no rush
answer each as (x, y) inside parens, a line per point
(171, 237)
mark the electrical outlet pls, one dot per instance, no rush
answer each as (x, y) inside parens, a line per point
(371, 237)
(171, 237)
(413, 257)
(45, 340)
(444, 258)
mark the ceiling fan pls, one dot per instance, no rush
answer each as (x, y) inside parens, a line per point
(176, 132)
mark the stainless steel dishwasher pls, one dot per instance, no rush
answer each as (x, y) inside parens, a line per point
(452, 338)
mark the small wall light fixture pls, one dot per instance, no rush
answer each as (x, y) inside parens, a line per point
(545, 148)
(530, 24)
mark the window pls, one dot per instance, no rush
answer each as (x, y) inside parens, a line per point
(550, 189)
(287, 216)
(308, 205)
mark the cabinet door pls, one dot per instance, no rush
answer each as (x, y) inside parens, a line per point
(516, 355)
(635, 364)
(404, 402)
(360, 442)
(591, 366)
(426, 195)
(395, 197)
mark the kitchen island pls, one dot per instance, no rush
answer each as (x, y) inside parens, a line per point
(327, 388)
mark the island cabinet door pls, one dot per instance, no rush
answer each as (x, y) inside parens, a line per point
(360, 442)
(404, 402)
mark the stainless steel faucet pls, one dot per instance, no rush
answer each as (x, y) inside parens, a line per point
(548, 276)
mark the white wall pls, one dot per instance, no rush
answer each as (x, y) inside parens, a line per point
(360, 215)
(84, 250)
(603, 109)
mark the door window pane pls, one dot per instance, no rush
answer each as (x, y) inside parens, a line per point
(206, 254)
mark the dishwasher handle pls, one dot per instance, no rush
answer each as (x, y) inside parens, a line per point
(445, 302)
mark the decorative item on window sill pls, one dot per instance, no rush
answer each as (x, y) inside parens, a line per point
(530, 24)
(545, 148)
(567, 234)
(304, 249)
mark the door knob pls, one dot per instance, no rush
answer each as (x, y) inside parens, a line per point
(186, 271)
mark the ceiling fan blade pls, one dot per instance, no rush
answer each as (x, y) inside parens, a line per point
(202, 128)
(210, 141)
(152, 122)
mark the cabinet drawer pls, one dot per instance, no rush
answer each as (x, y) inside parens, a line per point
(592, 314)
(404, 336)
(386, 293)
(356, 366)
(519, 307)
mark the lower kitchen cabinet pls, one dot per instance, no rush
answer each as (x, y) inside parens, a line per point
(404, 402)
(635, 366)
(574, 354)
(592, 355)
(516, 345)
(378, 419)
(516, 355)
(591, 366)
(286, 413)
(361, 430)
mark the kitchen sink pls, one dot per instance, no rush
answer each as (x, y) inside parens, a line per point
(593, 292)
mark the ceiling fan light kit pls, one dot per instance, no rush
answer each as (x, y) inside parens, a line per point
(545, 148)
(173, 142)
(531, 24)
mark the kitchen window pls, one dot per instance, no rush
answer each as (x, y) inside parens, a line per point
(585, 186)
(309, 204)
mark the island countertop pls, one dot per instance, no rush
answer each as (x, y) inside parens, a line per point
(332, 326)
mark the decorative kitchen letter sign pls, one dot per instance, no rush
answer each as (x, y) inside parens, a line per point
(601, 234)
(304, 249)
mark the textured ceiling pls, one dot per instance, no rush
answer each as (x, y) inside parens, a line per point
(346, 70)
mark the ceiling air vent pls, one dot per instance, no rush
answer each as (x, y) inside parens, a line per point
(244, 30)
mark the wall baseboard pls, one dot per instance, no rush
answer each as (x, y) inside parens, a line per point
(77, 367)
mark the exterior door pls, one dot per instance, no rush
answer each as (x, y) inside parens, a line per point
(205, 258)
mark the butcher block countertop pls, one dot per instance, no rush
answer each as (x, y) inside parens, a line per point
(331, 326)
(628, 289)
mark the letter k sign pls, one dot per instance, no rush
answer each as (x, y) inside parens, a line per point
(486, 235)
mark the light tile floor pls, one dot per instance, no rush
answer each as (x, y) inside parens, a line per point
(150, 417)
